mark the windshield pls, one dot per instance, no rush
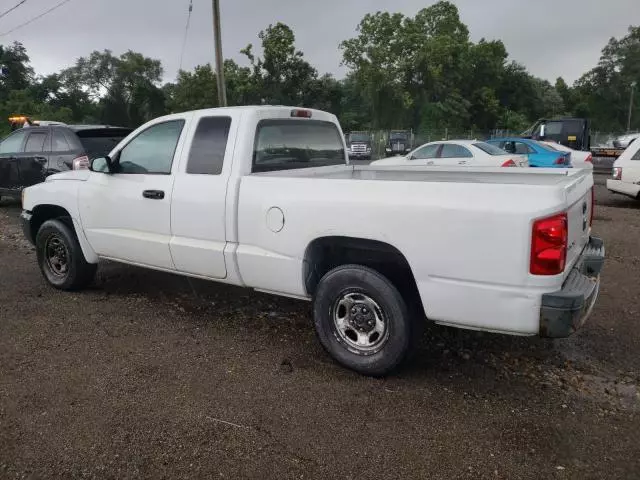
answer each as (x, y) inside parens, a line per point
(398, 136)
(288, 144)
(490, 149)
(359, 137)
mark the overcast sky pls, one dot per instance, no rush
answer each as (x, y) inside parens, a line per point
(550, 37)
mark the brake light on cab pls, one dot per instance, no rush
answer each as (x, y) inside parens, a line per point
(549, 240)
(81, 163)
(301, 113)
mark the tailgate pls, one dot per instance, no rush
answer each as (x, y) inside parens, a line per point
(579, 198)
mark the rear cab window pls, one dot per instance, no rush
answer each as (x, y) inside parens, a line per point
(290, 144)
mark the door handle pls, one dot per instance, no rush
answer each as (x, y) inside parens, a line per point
(462, 162)
(153, 194)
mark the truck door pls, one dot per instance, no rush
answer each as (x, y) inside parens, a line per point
(126, 215)
(10, 148)
(198, 207)
(33, 162)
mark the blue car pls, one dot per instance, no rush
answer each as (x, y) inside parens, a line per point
(538, 154)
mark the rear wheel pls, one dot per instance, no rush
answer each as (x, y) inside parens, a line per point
(60, 257)
(362, 320)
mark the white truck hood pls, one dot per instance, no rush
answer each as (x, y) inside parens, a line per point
(81, 175)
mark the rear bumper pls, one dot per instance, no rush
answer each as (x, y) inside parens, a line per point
(565, 311)
(25, 221)
(625, 188)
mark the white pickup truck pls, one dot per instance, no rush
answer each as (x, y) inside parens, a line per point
(264, 197)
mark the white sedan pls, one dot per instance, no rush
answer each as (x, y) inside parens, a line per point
(470, 153)
(579, 159)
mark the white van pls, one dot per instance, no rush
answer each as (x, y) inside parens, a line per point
(626, 172)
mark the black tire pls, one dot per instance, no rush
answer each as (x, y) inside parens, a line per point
(67, 269)
(351, 282)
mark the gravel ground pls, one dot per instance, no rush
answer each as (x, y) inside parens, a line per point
(148, 375)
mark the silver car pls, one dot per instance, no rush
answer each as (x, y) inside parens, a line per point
(624, 141)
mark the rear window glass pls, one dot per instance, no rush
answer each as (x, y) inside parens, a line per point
(490, 149)
(289, 144)
(98, 143)
(553, 128)
(209, 145)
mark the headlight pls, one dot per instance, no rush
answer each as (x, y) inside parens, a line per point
(387, 149)
(22, 198)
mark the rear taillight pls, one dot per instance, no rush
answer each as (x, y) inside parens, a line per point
(509, 163)
(589, 159)
(559, 161)
(617, 173)
(593, 205)
(81, 163)
(549, 245)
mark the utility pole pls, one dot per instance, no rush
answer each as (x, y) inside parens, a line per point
(217, 38)
(633, 86)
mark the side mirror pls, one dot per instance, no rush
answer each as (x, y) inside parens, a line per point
(101, 165)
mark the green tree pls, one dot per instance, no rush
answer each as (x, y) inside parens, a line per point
(126, 88)
(604, 91)
(282, 76)
(15, 71)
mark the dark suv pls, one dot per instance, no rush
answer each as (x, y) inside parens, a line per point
(31, 154)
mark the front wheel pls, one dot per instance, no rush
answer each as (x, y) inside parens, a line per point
(60, 257)
(362, 320)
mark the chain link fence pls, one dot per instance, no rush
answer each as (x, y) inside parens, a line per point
(380, 138)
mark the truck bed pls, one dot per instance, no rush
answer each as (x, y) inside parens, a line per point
(513, 176)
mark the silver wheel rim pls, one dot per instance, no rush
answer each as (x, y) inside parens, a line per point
(360, 322)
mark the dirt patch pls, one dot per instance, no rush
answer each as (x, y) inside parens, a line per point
(149, 375)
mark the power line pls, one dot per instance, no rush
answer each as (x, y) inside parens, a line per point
(28, 22)
(7, 12)
(186, 32)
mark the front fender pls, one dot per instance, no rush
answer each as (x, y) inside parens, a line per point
(62, 194)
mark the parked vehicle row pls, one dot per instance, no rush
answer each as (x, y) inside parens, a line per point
(29, 155)
(497, 152)
(626, 172)
(264, 197)
(457, 153)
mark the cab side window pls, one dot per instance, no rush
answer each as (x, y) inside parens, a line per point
(152, 151)
(13, 143)
(206, 156)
